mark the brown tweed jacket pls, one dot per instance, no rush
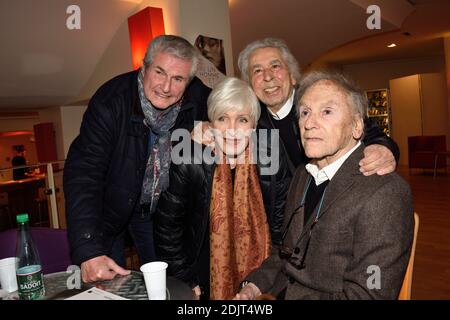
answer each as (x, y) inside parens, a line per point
(360, 246)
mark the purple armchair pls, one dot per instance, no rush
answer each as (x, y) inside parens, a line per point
(51, 243)
(422, 151)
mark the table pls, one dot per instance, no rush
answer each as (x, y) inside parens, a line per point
(21, 197)
(130, 287)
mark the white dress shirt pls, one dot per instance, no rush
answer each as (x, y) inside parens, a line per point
(328, 172)
(285, 109)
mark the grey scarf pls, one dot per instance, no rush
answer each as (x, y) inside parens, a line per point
(156, 177)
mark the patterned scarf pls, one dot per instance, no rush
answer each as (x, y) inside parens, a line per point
(156, 177)
(239, 232)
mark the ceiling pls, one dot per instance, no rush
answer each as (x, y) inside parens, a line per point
(330, 32)
(420, 36)
(309, 27)
(44, 64)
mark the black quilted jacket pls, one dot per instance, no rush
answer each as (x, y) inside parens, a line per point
(105, 165)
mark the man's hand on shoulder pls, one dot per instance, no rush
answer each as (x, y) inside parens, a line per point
(101, 268)
(203, 134)
(377, 159)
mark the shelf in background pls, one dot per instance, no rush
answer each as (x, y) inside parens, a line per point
(377, 115)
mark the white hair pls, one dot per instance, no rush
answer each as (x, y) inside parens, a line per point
(279, 44)
(174, 45)
(356, 96)
(232, 93)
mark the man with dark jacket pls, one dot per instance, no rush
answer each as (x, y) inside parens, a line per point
(273, 72)
(118, 166)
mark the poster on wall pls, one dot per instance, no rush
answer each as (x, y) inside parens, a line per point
(212, 49)
(211, 68)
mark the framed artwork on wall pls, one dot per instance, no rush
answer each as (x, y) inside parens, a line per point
(212, 49)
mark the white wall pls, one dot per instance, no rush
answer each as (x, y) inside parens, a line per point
(376, 75)
(434, 99)
(18, 123)
(117, 57)
(187, 18)
(53, 115)
(171, 13)
(66, 122)
(406, 112)
(71, 117)
(419, 107)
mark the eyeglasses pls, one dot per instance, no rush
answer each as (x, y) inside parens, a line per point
(286, 252)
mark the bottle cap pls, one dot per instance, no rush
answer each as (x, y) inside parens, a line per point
(21, 218)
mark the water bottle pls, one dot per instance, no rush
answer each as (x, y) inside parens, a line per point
(30, 279)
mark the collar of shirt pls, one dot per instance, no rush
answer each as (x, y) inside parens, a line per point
(328, 172)
(285, 109)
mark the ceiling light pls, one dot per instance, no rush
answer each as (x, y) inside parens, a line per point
(392, 45)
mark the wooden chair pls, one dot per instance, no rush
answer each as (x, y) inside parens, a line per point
(405, 291)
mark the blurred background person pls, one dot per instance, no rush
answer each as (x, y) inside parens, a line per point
(18, 161)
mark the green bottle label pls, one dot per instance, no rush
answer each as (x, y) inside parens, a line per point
(31, 282)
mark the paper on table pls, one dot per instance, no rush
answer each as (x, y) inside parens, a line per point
(3, 294)
(96, 294)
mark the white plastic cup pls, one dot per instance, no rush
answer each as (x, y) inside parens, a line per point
(8, 278)
(155, 279)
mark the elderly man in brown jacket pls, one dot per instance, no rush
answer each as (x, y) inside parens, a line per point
(346, 236)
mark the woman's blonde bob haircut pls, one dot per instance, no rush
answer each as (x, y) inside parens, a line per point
(233, 94)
